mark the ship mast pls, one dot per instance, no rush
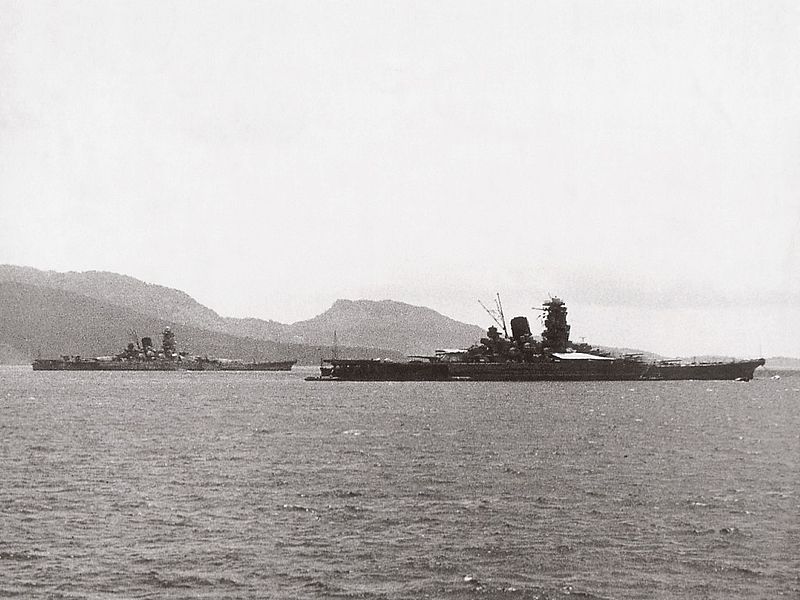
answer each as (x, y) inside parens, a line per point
(502, 316)
(497, 314)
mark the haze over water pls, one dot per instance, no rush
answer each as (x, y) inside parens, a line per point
(226, 485)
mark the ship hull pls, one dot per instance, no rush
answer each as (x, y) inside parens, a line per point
(95, 365)
(590, 370)
(380, 370)
(549, 371)
(156, 365)
(742, 370)
(284, 365)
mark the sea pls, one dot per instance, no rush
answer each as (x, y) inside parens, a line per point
(263, 485)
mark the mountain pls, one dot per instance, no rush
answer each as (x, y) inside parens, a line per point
(259, 329)
(412, 330)
(37, 320)
(145, 298)
(386, 324)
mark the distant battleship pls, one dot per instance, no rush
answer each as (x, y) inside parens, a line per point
(145, 357)
(521, 357)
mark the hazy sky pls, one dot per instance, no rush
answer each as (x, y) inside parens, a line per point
(639, 159)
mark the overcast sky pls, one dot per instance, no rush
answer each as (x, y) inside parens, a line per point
(639, 159)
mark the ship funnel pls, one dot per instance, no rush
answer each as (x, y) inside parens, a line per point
(520, 327)
(147, 342)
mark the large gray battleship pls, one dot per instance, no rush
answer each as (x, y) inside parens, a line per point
(522, 357)
(144, 356)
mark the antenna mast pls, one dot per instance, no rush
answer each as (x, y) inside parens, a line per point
(497, 315)
(491, 313)
(502, 316)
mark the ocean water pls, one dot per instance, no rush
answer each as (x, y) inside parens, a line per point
(262, 485)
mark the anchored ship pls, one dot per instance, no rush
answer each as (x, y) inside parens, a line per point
(144, 356)
(227, 364)
(520, 356)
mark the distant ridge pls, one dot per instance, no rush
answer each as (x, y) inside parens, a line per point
(373, 324)
(121, 290)
(118, 302)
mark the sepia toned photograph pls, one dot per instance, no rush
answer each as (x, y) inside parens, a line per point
(399, 300)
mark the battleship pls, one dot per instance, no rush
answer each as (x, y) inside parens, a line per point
(144, 356)
(519, 356)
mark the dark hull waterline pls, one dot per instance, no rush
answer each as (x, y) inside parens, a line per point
(616, 370)
(156, 365)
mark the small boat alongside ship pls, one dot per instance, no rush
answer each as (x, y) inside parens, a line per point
(144, 356)
(227, 364)
(522, 357)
